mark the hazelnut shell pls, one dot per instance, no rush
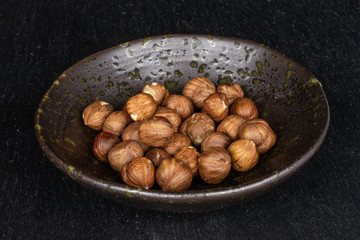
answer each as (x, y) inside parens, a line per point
(244, 107)
(131, 132)
(123, 153)
(173, 175)
(214, 165)
(216, 106)
(157, 155)
(231, 125)
(177, 142)
(258, 131)
(244, 155)
(103, 143)
(199, 126)
(197, 89)
(96, 113)
(116, 122)
(216, 139)
(140, 107)
(189, 155)
(156, 90)
(232, 91)
(170, 114)
(156, 131)
(181, 104)
(139, 173)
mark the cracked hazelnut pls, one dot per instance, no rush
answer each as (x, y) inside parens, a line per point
(197, 89)
(258, 131)
(216, 139)
(189, 155)
(181, 104)
(157, 155)
(95, 114)
(231, 125)
(131, 132)
(156, 131)
(232, 91)
(156, 90)
(139, 173)
(216, 106)
(199, 126)
(173, 175)
(123, 153)
(244, 107)
(140, 107)
(116, 122)
(170, 114)
(177, 142)
(214, 165)
(103, 142)
(244, 155)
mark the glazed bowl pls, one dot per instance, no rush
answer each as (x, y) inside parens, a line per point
(288, 96)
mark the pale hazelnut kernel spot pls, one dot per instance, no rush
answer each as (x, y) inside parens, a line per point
(154, 84)
(134, 117)
(103, 103)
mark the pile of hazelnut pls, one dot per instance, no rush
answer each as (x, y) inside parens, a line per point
(162, 135)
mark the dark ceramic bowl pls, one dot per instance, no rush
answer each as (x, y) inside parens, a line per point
(289, 97)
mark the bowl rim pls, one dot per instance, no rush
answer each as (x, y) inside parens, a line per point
(238, 191)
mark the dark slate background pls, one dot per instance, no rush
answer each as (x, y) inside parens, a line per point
(40, 39)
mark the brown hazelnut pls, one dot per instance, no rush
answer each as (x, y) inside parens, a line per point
(156, 90)
(230, 126)
(199, 126)
(181, 104)
(214, 165)
(139, 173)
(131, 132)
(244, 155)
(189, 155)
(216, 106)
(103, 142)
(116, 122)
(197, 89)
(184, 125)
(177, 142)
(173, 175)
(216, 139)
(244, 107)
(258, 131)
(170, 114)
(156, 131)
(232, 91)
(123, 153)
(95, 114)
(157, 155)
(141, 106)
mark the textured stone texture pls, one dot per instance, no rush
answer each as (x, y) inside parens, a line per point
(40, 40)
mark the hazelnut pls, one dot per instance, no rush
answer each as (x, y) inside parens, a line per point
(181, 104)
(230, 126)
(258, 131)
(131, 132)
(95, 114)
(199, 126)
(189, 155)
(103, 142)
(173, 175)
(139, 173)
(116, 122)
(197, 89)
(157, 155)
(156, 131)
(216, 106)
(123, 153)
(170, 115)
(214, 165)
(231, 90)
(177, 142)
(244, 107)
(141, 106)
(216, 139)
(156, 90)
(184, 125)
(244, 155)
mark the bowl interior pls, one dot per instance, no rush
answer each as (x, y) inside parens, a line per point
(286, 94)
